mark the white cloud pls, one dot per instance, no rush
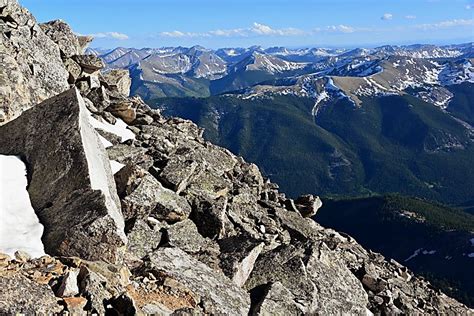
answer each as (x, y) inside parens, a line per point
(410, 17)
(111, 35)
(229, 33)
(257, 29)
(387, 16)
(469, 6)
(262, 29)
(446, 24)
(178, 34)
(340, 28)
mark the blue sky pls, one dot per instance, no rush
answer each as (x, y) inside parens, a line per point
(292, 23)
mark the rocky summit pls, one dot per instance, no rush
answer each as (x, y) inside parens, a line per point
(142, 216)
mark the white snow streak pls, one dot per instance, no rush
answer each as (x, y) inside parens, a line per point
(116, 166)
(119, 128)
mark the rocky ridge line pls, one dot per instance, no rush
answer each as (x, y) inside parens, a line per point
(206, 233)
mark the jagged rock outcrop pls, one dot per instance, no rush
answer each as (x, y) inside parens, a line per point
(207, 233)
(32, 70)
(61, 33)
(71, 185)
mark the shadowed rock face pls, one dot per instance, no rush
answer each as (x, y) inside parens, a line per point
(70, 181)
(32, 70)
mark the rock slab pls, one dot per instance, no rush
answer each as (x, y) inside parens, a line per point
(71, 185)
(218, 294)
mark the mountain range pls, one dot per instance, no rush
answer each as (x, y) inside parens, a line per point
(201, 72)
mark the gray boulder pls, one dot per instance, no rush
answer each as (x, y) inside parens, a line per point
(90, 63)
(143, 238)
(143, 199)
(119, 80)
(177, 173)
(19, 295)
(317, 280)
(170, 206)
(277, 300)
(238, 256)
(70, 180)
(308, 205)
(61, 33)
(218, 294)
(185, 236)
(74, 70)
(31, 68)
(126, 154)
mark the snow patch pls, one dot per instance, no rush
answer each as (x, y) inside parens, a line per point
(116, 166)
(320, 98)
(419, 251)
(415, 254)
(20, 228)
(105, 142)
(119, 128)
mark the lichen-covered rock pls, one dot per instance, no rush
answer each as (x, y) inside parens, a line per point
(118, 80)
(145, 196)
(31, 68)
(277, 300)
(143, 238)
(90, 63)
(238, 256)
(143, 200)
(318, 282)
(19, 295)
(126, 154)
(217, 293)
(93, 287)
(71, 184)
(61, 33)
(170, 206)
(185, 236)
(177, 173)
